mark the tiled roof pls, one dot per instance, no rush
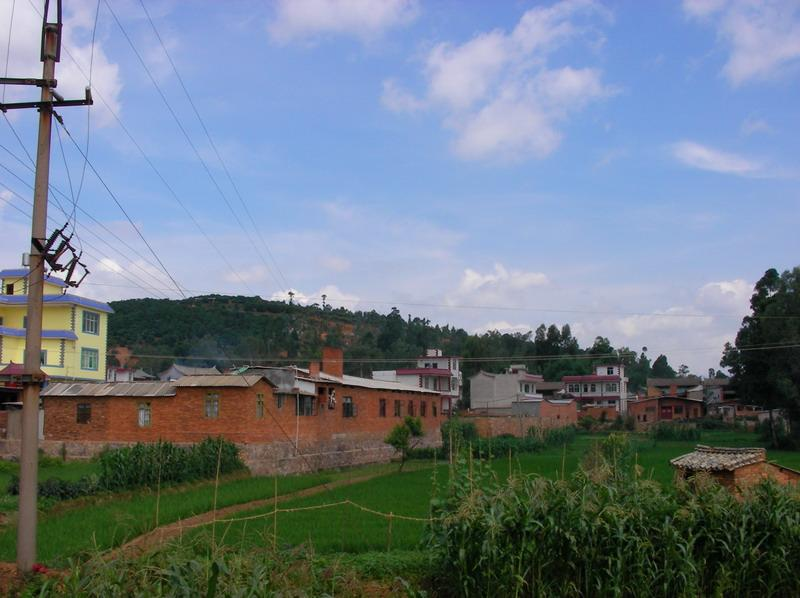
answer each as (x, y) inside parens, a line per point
(24, 272)
(712, 458)
(188, 370)
(590, 378)
(684, 381)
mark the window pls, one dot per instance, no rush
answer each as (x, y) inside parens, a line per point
(304, 406)
(24, 321)
(279, 401)
(1, 320)
(574, 388)
(43, 357)
(398, 408)
(610, 371)
(212, 405)
(90, 358)
(594, 387)
(9, 289)
(611, 387)
(411, 408)
(678, 409)
(433, 408)
(91, 322)
(382, 408)
(259, 405)
(348, 409)
(83, 413)
(585, 388)
(144, 415)
(423, 407)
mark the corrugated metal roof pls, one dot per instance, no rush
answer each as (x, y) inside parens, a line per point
(109, 389)
(241, 380)
(370, 383)
(712, 458)
(188, 370)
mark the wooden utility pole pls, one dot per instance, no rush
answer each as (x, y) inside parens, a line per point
(33, 375)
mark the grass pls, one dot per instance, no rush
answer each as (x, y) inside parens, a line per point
(104, 522)
(348, 530)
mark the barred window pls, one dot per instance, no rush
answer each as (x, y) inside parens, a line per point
(212, 405)
(83, 413)
(382, 408)
(259, 405)
(144, 415)
(348, 409)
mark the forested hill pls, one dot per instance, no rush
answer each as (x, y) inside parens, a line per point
(227, 331)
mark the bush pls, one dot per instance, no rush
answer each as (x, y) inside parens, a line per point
(587, 422)
(783, 440)
(164, 463)
(596, 535)
(674, 431)
(58, 489)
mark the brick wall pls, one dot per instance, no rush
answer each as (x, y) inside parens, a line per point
(268, 442)
(648, 411)
(597, 413)
(552, 415)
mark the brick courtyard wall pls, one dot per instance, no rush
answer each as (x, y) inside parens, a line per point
(648, 411)
(552, 415)
(280, 441)
(597, 413)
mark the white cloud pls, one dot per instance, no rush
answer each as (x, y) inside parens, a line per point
(334, 297)
(335, 263)
(76, 47)
(397, 99)
(732, 296)
(497, 91)
(763, 37)
(751, 126)
(365, 19)
(703, 157)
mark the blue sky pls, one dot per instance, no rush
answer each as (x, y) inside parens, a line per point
(627, 167)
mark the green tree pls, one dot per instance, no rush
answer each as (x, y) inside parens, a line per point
(661, 368)
(765, 359)
(402, 437)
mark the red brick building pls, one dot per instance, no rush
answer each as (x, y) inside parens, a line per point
(285, 419)
(555, 413)
(734, 468)
(657, 409)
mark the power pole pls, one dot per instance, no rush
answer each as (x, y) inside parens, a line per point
(33, 375)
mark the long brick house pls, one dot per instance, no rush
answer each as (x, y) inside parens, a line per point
(284, 419)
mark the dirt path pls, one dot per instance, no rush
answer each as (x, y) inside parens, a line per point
(164, 533)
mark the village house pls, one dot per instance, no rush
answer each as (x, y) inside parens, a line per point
(669, 399)
(74, 329)
(119, 374)
(434, 371)
(605, 389)
(284, 419)
(177, 371)
(510, 403)
(734, 468)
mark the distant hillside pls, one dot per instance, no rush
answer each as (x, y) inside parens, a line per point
(225, 331)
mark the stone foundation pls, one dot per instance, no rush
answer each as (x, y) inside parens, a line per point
(262, 459)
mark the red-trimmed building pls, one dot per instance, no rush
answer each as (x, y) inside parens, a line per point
(433, 371)
(606, 388)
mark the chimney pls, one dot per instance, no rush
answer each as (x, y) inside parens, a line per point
(313, 369)
(333, 361)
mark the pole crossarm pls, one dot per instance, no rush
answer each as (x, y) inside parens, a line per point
(49, 105)
(51, 83)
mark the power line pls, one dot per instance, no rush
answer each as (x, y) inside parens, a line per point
(127, 276)
(213, 145)
(151, 165)
(8, 44)
(55, 190)
(189, 139)
(794, 344)
(122, 209)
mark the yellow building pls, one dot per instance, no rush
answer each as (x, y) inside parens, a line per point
(74, 329)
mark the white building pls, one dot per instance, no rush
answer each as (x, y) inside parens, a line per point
(433, 371)
(513, 391)
(607, 387)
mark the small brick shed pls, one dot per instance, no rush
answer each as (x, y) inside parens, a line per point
(734, 468)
